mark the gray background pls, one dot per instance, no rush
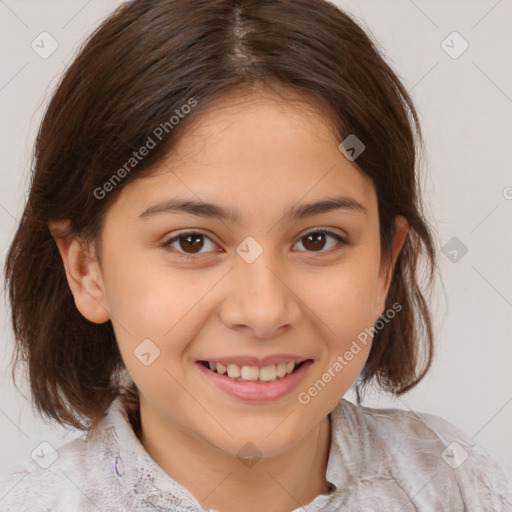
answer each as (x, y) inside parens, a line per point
(465, 105)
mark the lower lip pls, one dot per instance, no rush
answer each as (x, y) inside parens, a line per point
(256, 391)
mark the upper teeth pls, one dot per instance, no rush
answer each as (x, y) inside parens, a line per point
(266, 373)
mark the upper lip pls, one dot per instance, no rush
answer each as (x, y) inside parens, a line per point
(245, 360)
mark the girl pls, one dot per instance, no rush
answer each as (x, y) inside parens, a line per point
(222, 236)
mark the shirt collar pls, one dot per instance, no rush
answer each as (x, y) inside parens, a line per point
(129, 461)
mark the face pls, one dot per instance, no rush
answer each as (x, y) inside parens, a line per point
(278, 284)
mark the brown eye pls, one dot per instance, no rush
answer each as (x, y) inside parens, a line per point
(188, 243)
(316, 241)
(191, 243)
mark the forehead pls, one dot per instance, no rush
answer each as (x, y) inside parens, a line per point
(256, 152)
(256, 127)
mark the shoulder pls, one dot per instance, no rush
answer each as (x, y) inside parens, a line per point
(56, 480)
(52, 472)
(427, 456)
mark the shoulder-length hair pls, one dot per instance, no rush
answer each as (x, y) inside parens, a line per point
(137, 69)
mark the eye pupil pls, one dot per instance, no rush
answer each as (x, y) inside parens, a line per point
(195, 242)
(315, 238)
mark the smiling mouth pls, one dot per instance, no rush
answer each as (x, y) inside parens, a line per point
(270, 373)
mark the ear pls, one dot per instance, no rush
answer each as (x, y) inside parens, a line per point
(82, 272)
(401, 227)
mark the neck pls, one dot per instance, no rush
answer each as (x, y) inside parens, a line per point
(220, 481)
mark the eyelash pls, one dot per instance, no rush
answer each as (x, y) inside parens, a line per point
(169, 242)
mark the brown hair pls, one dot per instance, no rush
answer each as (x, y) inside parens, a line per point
(147, 60)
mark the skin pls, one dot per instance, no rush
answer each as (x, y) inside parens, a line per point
(259, 154)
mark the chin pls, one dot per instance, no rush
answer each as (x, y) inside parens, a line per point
(269, 440)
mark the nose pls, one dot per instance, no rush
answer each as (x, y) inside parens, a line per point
(259, 300)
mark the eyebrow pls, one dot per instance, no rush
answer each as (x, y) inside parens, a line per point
(216, 211)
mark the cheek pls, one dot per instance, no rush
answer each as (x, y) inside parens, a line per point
(344, 299)
(344, 306)
(149, 297)
(155, 302)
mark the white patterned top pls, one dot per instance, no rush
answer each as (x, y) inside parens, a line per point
(380, 460)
